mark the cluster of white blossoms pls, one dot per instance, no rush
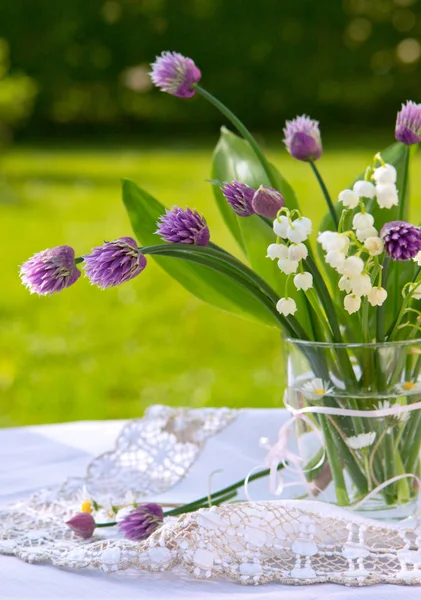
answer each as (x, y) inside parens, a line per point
(382, 187)
(289, 251)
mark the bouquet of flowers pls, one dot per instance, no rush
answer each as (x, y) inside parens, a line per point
(346, 308)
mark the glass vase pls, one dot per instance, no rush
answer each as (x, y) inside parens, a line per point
(358, 436)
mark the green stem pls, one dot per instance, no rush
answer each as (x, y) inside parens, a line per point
(390, 466)
(243, 130)
(381, 310)
(325, 194)
(335, 465)
(403, 207)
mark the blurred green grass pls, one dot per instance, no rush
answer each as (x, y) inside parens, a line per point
(87, 354)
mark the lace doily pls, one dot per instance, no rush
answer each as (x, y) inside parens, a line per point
(287, 541)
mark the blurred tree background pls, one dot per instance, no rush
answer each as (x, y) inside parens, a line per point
(351, 61)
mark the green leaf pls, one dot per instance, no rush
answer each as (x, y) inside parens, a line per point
(233, 158)
(205, 283)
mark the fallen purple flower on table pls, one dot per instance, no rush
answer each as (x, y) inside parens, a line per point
(114, 263)
(267, 202)
(408, 124)
(402, 241)
(175, 74)
(302, 138)
(50, 271)
(83, 525)
(240, 197)
(141, 522)
(178, 226)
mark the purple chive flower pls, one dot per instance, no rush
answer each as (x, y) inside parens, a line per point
(267, 202)
(141, 522)
(302, 138)
(50, 271)
(83, 524)
(240, 197)
(178, 226)
(408, 124)
(175, 74)
(402, 241)
(114, 263)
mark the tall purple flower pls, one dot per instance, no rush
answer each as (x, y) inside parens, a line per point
(50, 271)
(114, 263)
(267, 202)
(175, 74)
(402, 241)
(302, 138)
(178, 226)
(141, 522)
(83, 524)
(408, 124)
(240, 197)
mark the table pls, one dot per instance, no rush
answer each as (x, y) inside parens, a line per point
(34, 457)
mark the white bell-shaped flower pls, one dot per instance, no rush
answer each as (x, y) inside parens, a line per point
(362, 221)
(286, 306)
(353, 265)
(299, 230)
(335, 259)
(277, 251)
(297, 252)
(374, 245)
(360, 285)
(387, 195)
(344, 284)
(332, 240)
(363, 234)
(377, 296)
(288, 266)
(352, 303)
(280, 226)
(364, 189)
(385, 174)
(303, 281)
(349, 198)
(417, 259)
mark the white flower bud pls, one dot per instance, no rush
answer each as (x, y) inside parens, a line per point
(361, 285)
(364, 189)
(297, 252)
(352, 303)
(353, 265)
(303, 281)
(362, 221)
(286, 306)
(417, 292)
(349, 199)
(335, 259)
(374, 245)
(344, 284)
(299, 230)
(417, 259)
(288, 266)
(277, 251)
(363, 234)
(280, 226)
(387, 195)
(377, 296)
(386, 174)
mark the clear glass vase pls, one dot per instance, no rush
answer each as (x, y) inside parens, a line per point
(344, 453)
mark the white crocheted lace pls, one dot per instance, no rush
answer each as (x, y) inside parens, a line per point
(288, 541)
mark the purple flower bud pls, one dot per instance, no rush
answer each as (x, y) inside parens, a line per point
(50, 271)
(302, 138)
(83, 524)
(402, 241)
(408, 124)
(240, 197)
(267, 202)
(178, 226)
(175, 74)
(141, 522)
(114, 263)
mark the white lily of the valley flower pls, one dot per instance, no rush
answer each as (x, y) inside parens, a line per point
(333, 241)
(374, 245)
(387, 195)
(360, 285)
(362, 221)
(280, 226)
(353, 265)
(364, 189)
(377, 296)
(315, 389)
(288, 266)
(416, 292)
(363, 234)
(277, 251)
(352, 303)
(286, 306)
(303, 281)
(299, 230)
(335, 259)
(363, 440)
(385, 174)
(297, 252)
(417, 259)
(344, 284)
(349, 198)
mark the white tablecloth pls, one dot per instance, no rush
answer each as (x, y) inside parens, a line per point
(35, 457)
